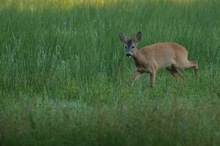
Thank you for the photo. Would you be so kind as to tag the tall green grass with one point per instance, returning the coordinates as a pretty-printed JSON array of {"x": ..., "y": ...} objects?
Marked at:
[{"x": 65, "y": 80}]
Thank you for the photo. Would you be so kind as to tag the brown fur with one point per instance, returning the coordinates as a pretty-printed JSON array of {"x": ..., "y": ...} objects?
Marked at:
[{"x": 149, "y": 59}]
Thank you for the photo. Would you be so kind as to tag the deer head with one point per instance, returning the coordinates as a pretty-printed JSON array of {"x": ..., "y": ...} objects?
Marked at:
[{"x": 130, "y": 44}]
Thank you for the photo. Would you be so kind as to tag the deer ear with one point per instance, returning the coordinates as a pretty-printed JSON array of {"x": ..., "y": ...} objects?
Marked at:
[
  {"x": 137, "y": 37},
  {"x": 122, "y": 37}
]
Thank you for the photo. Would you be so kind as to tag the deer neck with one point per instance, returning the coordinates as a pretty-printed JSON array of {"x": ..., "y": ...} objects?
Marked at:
[{"x": 140, "y": 60}]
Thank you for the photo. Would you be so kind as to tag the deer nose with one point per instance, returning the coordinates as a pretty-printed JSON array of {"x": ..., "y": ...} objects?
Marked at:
[{"x": 128, "y": 54}]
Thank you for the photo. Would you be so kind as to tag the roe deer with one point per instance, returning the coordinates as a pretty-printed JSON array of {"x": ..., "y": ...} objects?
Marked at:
[{"x": 149, "y": 59}]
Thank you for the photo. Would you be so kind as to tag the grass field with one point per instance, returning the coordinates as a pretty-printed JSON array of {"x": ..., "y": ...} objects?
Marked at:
[{"x": 65, "y": 79}]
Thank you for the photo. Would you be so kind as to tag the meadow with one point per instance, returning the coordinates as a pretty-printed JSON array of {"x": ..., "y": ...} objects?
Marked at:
[{"x": 65, "y": 79}]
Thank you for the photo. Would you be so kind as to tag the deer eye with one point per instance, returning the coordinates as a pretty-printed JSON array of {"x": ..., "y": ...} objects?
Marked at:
[{"x": 133, "y": 46}]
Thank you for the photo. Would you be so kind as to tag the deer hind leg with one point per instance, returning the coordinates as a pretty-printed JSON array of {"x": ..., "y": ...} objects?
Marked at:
[
  {"x": 195, "y": 66},
  {"x": 192, "y": 64},
  {"x": 173, "y": 70}
]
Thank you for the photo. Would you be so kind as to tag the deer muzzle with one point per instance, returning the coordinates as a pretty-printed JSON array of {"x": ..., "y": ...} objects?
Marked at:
[{"x": 128, "y": 54}]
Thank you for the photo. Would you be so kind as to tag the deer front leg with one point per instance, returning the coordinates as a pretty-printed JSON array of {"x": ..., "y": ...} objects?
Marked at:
[
  {"x": 152, "y": 78},
  {"x": 136, "y": 76}
]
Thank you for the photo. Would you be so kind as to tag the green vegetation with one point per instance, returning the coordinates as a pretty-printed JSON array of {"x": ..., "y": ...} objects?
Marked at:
[{"x": 65, "y": 80}]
